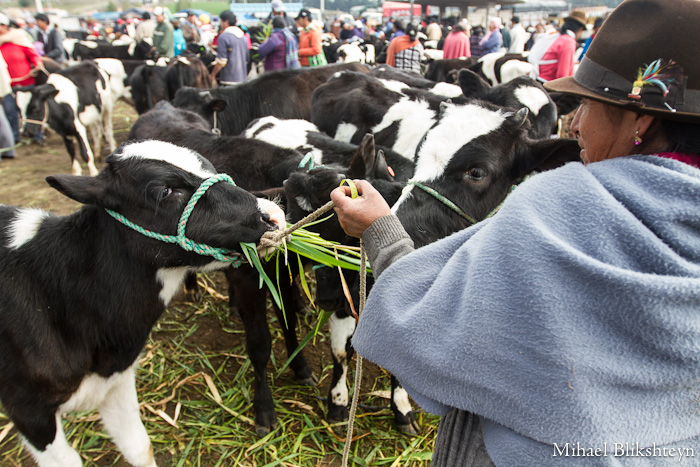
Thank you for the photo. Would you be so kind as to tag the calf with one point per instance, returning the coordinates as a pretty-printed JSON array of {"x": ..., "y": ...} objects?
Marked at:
[
  {"x": 439, "y": 70},
  {"x": 499, "y": 67},
  {"x": 284, "y": 94},
  {"x": 88, "y": 50},
  {"x": 71, "y": 101},
  {"x": 416, "y": 81},
  {"x": 305, "y": 137},
  {"x": 148, "y": 85},
  {"x": 472, "y": 156},
  {"x": 82, "y": 292},
  {"x": 186, "y": 71}
]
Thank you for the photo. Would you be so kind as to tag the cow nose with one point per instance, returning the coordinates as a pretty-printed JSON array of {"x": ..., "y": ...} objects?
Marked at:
[{"x": 272, "y": 214}]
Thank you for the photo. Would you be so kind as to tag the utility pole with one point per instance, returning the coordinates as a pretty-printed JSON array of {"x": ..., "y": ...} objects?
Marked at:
[{"x": 39, "y": 6}]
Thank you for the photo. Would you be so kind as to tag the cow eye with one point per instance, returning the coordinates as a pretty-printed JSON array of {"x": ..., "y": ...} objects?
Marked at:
[
  {"x": 475, "y": 174},
  {"x": 164, "y": 193}
]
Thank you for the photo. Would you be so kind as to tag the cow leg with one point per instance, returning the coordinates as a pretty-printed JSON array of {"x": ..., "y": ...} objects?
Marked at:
[
  {"x": 404, "y": 417},
  {"x": 85, "y": 150},
  {"x": 122, "y": 420},
  {"x": 75, "y": 163},
  {"x": 96, "y": 135},
  {"x": 108, "y": 127},
  {"x": 342, "y": 327},
  {"x": 288, "y": 321},
  {"x": 192, "y": 289},
  {"x": 250, "y": 300},
  {"x": 46, "y": 430}
]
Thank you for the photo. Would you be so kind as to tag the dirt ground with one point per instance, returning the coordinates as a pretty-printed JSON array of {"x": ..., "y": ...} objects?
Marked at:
[{"x": 23, "y": 184}]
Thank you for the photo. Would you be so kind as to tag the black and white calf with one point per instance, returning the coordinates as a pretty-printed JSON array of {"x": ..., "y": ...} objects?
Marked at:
[
  {"x": 71, "y": 101},
  {"x": 416, "y": 81},
  {"x": 81, "y": 293},
  {"x": 472, "y": 156},
  {"x": 500, "y": 67}
]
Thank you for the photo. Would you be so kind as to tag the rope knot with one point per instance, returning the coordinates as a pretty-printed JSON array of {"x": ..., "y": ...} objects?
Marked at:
[{"x": 272, "y": 239}]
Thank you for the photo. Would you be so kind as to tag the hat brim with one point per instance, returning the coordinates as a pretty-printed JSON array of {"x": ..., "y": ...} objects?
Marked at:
[
  {"x": 568, "y": 85},
  {"x": 578, "y": 20}
]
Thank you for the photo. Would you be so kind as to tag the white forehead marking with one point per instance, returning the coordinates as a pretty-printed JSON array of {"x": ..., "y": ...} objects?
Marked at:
[
  {"x": 180, "y": 157},
  {"x": 458, "y": 126},
  {"x": 393, "y": 85},
  {"x": 345, "y": 132},
  {"x": 24, "y": 226},
  {"x": 531, "y": 97},
  {"x": 447, "y": 90},
  {"x": 415, "y": 118}
]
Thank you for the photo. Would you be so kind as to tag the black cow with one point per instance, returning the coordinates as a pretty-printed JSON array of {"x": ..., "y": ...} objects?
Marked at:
[
  {"x": 72, "y": 100},
  {"x": 186, "y": 71},
  {"x": 439, "y": 70},
  {"x": 284, "y": 94},
  {"x": 81, "y": 293},
  {"x": 148, "y": 85}
]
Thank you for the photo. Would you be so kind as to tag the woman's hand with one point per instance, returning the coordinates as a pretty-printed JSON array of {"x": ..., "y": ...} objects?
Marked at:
[{"x": 355, "y": 215}]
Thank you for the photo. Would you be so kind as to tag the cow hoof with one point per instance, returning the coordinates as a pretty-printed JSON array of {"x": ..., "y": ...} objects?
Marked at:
[
  {"x": 311, "y": 380},
  {"x": 337, "y": 414},
  {"x": 264, "y": 430},
  {"x": 409, "y": 426}
]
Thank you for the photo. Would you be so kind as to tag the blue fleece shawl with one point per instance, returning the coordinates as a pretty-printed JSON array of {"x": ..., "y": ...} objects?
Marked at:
[{"x": 571, "y": 316}]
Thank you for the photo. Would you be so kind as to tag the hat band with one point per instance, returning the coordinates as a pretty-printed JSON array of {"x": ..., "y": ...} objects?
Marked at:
[{"x": 607, "y": 83}]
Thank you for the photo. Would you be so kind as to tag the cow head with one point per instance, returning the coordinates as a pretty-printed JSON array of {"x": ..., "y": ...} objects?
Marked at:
[
  {"x": 200, "y": 102},
  {"x": 38, "y": 107},
  {"x": 515, "y": 94},
  {"x": 471, "y": 157},
  {"x": 150, "y": 184}
]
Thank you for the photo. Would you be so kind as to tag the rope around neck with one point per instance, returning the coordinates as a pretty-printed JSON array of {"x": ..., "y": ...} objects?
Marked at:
[
  {"x": 181, "y": 239},
  {"x": 444, "y": 201}
]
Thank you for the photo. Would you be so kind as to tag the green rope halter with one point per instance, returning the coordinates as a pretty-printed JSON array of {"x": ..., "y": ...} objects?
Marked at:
[
  {"x": 456, "y": 208},
  {"x": 444, "y": 201},
  {"x": 220, "y": 254}
]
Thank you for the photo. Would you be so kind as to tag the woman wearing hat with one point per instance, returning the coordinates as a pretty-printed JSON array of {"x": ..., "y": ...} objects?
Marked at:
[
  {"x": 558, "y": 60},
  {"x": 564, "y": 329}
]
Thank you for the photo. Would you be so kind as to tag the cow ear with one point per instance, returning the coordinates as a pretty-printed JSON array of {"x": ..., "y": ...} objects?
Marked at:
[
  {"x": 548, "y": 154},
  {"x": 363, "y": 160},
  {"x": 520, "y": 117},
  {"x": 46, "y": 91},
  {"x": 217, "y": 105},
  {"x": 381, "y": 168},
  {"x": 472, "y": 85},
  {"x": 82, "y": 188}
]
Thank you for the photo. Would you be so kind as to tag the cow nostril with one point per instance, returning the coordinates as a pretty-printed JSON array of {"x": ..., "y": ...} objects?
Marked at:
[{"x": 271, "y": 225}]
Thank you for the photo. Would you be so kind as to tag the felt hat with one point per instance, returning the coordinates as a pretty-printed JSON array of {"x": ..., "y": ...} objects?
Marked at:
[
  {"x": 643, "y": 59},
  {"x": 577, "y": 15},
  {"x": 158, "y": 11}
]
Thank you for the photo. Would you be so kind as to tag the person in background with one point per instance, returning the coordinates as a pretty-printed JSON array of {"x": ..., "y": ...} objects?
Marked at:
[
  {"x": 206, "y": 28},
  {"x": 23, "y": 63},
  {"x": 492, "y": 40},
  {"x": 309, "y": 37},
  {"x": 558, "y": 60},
  {"x": 278, "y": 9},
  {"x": 536, "y": 34},
  {"x": 475, "y": 41},
  {"x": 457, "y": 42},
  {"x": 505, "y": 34},
  {"x": 121, "y": 34},
  {"x": 163, "y": 34},
  {"x": 194, "y": 33},
  {"x": 52, "y": 38},
  {"x": 231, "y": 52},
  {"x": 280, "y": 50},
  {"x": 433, "y": 31},
  {"x": 7, "y": 140},
  {"x": 405, "y": 52},
  {"x": 579, "y": 297},
  {"x": 518, "y": 37},
  {"x": 596, "y": 26},
  {"x": 144, "y": 30},
  {"x": 349, "y": 30},
  {"x": 179, "y": 42}
]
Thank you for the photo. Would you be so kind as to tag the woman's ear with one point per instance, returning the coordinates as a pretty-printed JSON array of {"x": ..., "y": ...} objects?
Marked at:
[{"x": 644, "y": 122}]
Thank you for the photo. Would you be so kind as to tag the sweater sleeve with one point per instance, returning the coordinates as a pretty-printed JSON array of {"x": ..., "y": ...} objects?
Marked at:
[
  {"x": 385, "y": 242},
  {"x": 269, "y": 45}
]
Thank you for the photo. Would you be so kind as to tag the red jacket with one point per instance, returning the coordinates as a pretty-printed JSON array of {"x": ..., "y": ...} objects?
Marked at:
[
  {"x": 309, "y": 44},
  {"x": 20, "y": 61}
]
